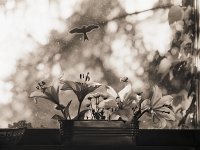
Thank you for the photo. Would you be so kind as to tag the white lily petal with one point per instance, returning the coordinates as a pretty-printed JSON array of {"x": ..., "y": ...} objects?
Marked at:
[
  {"x": 165, "y": 113},
  {"x": 114, "y": 116},
  {"x": 125, "y": 92},
  {"x": 165, "y": 100},
  {"x": 37, "y": 94},
  {"x": 145, "y": 104},
  {"x": 109, "y": 103},
  {"x": 111, "y": 91}
]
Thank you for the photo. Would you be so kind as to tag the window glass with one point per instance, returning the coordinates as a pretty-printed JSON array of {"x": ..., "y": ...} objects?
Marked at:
[{"x": 151, "y": 45}]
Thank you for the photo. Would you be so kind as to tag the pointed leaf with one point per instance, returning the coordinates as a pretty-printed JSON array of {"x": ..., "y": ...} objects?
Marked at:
[
  {"x": 125, "y": 92},
  {"x": 81, "y": 116},
  {"x": 60, "y": 107},
  {"x": 57, "y": 117},
  {"x": 66, "y": 110}
]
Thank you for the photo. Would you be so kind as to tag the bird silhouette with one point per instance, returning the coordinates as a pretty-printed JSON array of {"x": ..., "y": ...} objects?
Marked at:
[{"x": 83, "y": 30}]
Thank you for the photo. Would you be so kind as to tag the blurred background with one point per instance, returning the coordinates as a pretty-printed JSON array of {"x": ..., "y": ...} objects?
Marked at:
[{"x": 133, "y": 40}]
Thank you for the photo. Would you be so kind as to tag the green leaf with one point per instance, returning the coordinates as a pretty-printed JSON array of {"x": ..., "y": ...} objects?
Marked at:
[
  {"x": 81, "y": 115},
  {"x": 66, "y": 110},
  {"x": 60, "y": 107},
  {"x": 57, "y": 117}
]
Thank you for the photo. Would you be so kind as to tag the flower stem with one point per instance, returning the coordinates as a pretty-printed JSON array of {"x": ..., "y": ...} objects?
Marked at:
[
  {"x": 63, "y": 113},
  {"x": 140, "y": 115},
  {"x": 79, "y": 109}
]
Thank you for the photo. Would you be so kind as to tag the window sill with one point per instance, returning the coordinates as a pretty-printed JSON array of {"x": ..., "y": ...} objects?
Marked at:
[{"x": 147, "y": 139}]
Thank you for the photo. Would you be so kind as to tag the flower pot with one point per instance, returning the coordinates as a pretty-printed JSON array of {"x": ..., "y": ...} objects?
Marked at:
[{"x": 97, "y": 133}]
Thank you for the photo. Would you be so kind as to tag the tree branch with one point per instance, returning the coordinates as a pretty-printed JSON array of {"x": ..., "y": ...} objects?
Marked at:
[{"x": 134, "y": 13}]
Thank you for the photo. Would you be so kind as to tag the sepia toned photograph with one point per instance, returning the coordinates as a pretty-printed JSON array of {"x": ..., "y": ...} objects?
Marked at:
[{"x": 99, "y": 74}]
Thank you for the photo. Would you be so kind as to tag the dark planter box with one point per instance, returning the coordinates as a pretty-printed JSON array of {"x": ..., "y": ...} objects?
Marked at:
[
  {"x": 146, "y": 139},
  {"x": 97, "y": 133},
  {"x": 11, "y": 136}
]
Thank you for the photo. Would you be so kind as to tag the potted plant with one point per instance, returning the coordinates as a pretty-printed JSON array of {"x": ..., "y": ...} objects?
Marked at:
[{"x": 109, "y": 117}]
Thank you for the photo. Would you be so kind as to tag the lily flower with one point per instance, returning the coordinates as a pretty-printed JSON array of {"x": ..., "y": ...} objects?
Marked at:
[
  {"x": 121, "y": 102},
  {"x": 125, "y": 111},
  {"x": 48, "y": 89},
  {"x": 80, "y": 89},
  {"x": 158, "y": 107},
  {"x": 121, "y": 95},
  {"x": 50, "y": 93},
  {"x": 107, "y": 104}
]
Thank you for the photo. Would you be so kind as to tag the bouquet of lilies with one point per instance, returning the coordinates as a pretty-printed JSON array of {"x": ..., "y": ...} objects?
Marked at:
[{"x": 110, "y": 105}]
